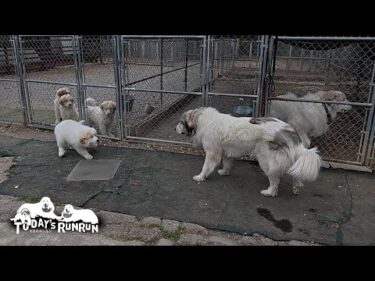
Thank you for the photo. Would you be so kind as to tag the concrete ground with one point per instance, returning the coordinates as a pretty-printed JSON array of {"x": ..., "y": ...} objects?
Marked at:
[{"x": 337, "y": 209}]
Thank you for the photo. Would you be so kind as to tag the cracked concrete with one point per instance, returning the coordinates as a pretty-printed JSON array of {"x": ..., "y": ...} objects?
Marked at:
[{"x": 337, "y": 209}]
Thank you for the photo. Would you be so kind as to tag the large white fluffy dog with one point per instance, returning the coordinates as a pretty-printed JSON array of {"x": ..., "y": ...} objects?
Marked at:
[
  {"x": 64, "y": 106},
  {"x": 70, "y": 133},
  {"x": 102, "y": 115},
  {"x": 73, "y": 215},
  {"x": 309, "y": 119},
  {"x": 45, "y": 209},
  {"x": 275, "y": 144}
]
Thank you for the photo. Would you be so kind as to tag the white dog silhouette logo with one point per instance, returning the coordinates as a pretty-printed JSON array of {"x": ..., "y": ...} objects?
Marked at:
[
  {"x": 73, "y": 215},
  {"x": 28, "y": 211},
  {"x": 42, "y": 215}
]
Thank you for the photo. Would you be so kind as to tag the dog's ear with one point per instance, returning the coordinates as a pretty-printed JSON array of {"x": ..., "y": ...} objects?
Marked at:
[
  {"x": 62, "y": 91},
  {"x": 102, "y": 106},
  {"x": 83, "y": 138},
  {"x": 61, "y": 101}
]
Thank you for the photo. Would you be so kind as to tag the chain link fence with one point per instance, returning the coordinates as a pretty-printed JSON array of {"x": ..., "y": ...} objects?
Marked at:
[
  {"x": 154, "y": 79},
  {"x": 11, "y": 109},
  {"x": 234, "y": 74},
  {"x": 307, "y": 66},
  {"x": 163, "y": 79}
]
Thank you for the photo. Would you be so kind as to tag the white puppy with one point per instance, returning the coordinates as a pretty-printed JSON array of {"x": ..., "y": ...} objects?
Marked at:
[
  {"x": 64, "y": 106},
  {"x": 102, "y": 116},
  {"x": 309, "y": 119},
  {"x": 28, "y": 211},
  {"x": 276, "y": 145},
  {"x": 73, "y": 134},
  {"x": 73, "y": 215}
]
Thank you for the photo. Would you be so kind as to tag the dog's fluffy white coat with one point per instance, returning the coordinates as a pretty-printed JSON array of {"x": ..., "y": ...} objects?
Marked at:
[
  {"x": 70, "y": 133},
  {"x": 309, "y": 119},
  {"x": 275, "y": 144}
]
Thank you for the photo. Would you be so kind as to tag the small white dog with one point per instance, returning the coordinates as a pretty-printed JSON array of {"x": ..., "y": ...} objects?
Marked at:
[
  {"x": 73, "y": 215},
  {"x": 45, "y": 209},
  {"x": 275, "y": 144},
  {"x": 102, "y": 116},
  {"x": 70, "y": 133},
  {"x": 64, "y": 106}
]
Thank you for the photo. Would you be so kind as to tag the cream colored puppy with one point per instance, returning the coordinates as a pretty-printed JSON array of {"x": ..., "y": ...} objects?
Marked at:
[
  {"x": 102, "y": 116},
  {"x": 64, "y": 106},
  {"x": 70, "y": 133}
]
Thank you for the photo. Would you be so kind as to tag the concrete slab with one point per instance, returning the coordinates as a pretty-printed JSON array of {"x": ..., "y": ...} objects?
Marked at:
[{"x": 94, "y": 170}]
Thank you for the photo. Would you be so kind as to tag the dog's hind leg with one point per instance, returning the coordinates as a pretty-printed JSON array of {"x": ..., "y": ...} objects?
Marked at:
[
  {"x": 274, "y": 186},
  {"x": 227, "y": 165},
  {"x": 211, "y": 161},
  {"x": 296, "y": 186}
]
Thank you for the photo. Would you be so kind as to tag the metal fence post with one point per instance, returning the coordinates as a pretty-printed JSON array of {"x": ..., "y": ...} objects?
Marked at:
[
  {"x": 370, "y": 128},
  {"x": 79, "y": 76},
  {"x": 204, "y": 82},
  {"x": 117, "y": 62},
  {"x": 161, "y": 71},
  {"x": 186, "y": 62},
  {"x": 21, "y": 80}
]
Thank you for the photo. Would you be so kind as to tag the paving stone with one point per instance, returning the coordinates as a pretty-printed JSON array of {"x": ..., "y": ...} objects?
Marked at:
[
  {"x": 170, "y": 225},
  {"x": 194, "y": 228},
  {"x": 165, "y": 242},
  {"x": 150, "y": 221},
  {"x": 218, "y": 240}
]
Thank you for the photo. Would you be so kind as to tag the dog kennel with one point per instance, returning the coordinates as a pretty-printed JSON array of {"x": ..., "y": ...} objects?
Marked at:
[{"x": 154, "y": 79}]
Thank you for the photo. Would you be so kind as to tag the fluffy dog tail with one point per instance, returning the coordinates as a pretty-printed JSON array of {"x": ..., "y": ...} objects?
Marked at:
[
  {"x": 307, "y": 164},
  {"x": 91, "y": 102}
]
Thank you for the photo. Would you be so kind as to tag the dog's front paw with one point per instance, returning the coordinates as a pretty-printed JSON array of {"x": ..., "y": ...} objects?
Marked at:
[
  {"x": 198, "y": 178},
  {"x": 89, "y": 157},
  {"x": 223, "y": 172},
  {"x": 269, "y": 192}
]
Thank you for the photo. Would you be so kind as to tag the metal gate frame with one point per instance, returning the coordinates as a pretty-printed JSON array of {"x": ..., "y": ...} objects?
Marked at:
[
  {"x": 366, "y": 147},
  {"x": 261, "y": 77},
  {"x": 125, "y": 89}
]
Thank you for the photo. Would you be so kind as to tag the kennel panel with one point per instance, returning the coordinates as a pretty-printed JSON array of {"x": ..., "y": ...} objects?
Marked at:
[
  {"x": 303, "y": 66},
  {"x": 48, "y": 58},
  {"x": 41, "y": 97},
  {"x": 11, "y": 109}
]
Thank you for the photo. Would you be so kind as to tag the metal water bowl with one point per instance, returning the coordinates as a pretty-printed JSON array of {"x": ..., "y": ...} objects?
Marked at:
[{"x": 243, "y": 111}]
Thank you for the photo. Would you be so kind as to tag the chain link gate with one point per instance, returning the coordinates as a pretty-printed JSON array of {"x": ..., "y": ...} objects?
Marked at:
[
  {"x": 87, "y": 65},
  {"x": 154, "y": 79},
  {"x": 162, "y": 77},
  {"x": 12, "y": 106},
  {"x": 234, "y": 74},
  {"x": 308, "y": 64}
]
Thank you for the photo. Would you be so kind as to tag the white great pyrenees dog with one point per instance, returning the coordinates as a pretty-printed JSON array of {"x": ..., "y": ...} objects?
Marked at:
[
  {"x": 309, "y": 119},
  {"x": 70, "y": 133},
  {"x": 275, "y": 144}
]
